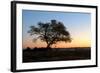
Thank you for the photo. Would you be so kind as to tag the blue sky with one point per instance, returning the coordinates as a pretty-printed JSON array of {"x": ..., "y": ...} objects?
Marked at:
[{"x": 76, "y": 23}]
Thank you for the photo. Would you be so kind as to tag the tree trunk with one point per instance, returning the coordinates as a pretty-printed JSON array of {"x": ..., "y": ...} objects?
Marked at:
[
  {"x": 48, "y": 46},
  {"x": 50, "y": 43}
]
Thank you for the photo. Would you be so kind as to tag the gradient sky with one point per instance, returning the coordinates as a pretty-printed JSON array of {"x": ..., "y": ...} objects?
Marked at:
[{"x": 78, "y": 24}]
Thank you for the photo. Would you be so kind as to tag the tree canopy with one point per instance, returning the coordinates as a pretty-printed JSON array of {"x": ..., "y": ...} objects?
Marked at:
[{"x": 51, "y": 32}]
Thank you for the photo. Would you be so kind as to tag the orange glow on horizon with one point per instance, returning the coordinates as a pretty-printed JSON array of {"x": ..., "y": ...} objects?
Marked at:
[{"x": 77, "y": 42}]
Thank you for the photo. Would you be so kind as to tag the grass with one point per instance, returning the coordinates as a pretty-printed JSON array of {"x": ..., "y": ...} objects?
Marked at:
[{"x": 55, "y": 54}]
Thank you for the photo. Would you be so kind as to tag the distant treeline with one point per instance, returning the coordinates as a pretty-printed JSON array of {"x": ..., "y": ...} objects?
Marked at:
[{"x": 43, "y": 48}]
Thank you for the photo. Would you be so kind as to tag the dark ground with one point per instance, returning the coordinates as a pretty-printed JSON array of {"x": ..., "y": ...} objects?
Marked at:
[{"x": 48, "y": 54}]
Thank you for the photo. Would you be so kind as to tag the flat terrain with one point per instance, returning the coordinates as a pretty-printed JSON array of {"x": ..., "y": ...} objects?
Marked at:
[{"x": 56, "y": 54}]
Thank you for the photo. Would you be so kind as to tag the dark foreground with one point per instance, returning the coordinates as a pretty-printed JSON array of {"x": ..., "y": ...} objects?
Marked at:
[{"x": 44, "y": 54}]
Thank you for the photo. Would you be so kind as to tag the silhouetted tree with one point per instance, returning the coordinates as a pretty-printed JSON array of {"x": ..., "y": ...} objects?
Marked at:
[{"x": 51, "y": 32}]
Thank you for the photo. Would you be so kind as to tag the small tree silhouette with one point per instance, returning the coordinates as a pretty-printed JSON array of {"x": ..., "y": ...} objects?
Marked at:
[
  {"x": 28, "y": 48},
  {"x": 51, "y": 32}
]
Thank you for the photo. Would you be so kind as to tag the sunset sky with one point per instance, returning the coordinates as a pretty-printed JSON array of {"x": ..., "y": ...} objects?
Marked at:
[{"x": 78, "y": 24}]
